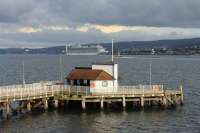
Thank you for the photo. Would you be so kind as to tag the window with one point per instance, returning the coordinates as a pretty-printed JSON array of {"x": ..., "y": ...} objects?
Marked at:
[
  {"x": 105, "y": 83},
  {"x": 85, "y": 82}
]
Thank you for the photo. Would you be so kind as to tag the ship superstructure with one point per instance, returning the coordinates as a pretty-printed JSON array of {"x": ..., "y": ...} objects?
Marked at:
[{"x": 85, "y": 49}]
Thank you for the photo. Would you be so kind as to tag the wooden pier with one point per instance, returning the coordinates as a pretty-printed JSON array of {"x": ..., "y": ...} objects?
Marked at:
[{"x": 30, "y": 96}]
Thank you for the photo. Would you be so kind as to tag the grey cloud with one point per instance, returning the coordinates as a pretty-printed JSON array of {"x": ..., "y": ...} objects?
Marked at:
[
  {"x": 158, "y": 13},
  {"x": 11, "y": 10}
]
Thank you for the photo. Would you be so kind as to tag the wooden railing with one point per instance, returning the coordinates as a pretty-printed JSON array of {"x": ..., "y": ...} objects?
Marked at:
[
  {"x": 141, "y": 89},
  {"x": 28, "y": 91},
  {"x": 39, "y": 90}
]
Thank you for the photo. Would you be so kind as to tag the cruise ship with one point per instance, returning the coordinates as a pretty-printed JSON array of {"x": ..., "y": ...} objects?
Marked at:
[{"x": 85, "y": 49}]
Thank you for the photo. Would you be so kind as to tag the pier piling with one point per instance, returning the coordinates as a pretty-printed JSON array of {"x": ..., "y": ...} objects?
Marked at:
[
  {"x": 45, "y": 104},
  {"x": 181, "y": 89},
  {"x": 164, "y": 101},
  {"x": 142, "y": 101},
  {"x": 56, "y": 103},
  {"x": 83, "y": 104},
  {"x": 7, "y": 110},
  {"x": 102, "y": 103},
  {"x": 124, "y": 102},
  {"x": 29, "y": 106}
]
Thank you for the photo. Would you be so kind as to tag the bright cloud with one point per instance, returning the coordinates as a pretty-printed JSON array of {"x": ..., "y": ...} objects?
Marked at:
[
  {"x": 111, "y": 29},
  {"x": 83, "y": 28},
  {"x": 29, "y": 30},
  {"x": 56, "y": 28}
]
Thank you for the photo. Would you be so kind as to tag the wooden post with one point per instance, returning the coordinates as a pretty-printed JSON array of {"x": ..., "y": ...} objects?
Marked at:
[
  {"x": 171, "y": 99},
  {"x": 56, "y": 103},
  {"x": 164, "y": 101},
  {"x": 108, "y": 104},
  {"x": 102, "y": 102},
  {"x": 150, "y": 103},
  {"x": 175, "y": 99},
  {"x": 83, "y": 104},
  {"x": 66, "y": 102},
  {"x": 45, "y": 104},
  {"x": 29, "y": 106},
  {"x": 1, "y": 112},
  {"x": 124, "y": 101},
  {"x": 181, "y": 89},
  {"x": 20, "y": 106},
  {"x": 7, "y": 110},
  {"x": 142, "y": 101}
]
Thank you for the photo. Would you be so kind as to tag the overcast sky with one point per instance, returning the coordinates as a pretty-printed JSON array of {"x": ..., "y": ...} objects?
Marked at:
[{"x": 38, "y": 23}]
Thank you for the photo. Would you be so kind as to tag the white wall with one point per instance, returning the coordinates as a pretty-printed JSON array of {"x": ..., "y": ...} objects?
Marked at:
[
  {"x": 116, "y": 75},
  {"x": 106, "y": 68},
  {"x": 99, "y": 88},
  {"x": 111, "y": 69},
  {"x": 116, "y": 71}
]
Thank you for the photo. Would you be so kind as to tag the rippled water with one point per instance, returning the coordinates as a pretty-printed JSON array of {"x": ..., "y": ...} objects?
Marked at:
[{"x": 168, "y": 70}]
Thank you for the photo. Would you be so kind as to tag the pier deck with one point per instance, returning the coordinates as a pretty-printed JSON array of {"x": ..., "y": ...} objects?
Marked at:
[{"x": 30, "y": 93}]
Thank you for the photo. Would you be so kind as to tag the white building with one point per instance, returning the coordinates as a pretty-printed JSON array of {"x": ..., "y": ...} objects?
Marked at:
[{"x": 101, "y": 77}]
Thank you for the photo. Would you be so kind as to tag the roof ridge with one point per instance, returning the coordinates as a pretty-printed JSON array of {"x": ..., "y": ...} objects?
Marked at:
[
  {"x": 89, "y": 74},
  {"x": 99, "y": 73}
]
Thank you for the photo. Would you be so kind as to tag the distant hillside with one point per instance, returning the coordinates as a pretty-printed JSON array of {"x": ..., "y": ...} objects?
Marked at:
[
  {"x": 159, "y": 44},
  {"x": 168, "y": 44}
]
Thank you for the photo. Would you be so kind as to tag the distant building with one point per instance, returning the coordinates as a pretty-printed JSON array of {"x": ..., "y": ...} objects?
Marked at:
[{"x": 101, "y": 77}]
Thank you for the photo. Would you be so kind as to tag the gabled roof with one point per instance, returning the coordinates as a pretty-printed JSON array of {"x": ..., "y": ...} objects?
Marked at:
[{"x": 89, "y": 74}]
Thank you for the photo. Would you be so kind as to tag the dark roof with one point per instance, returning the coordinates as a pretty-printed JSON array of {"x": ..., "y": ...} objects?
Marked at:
[
  {"x": 104, "y": 63},
  {"x": 83, "y": 67},
  {"x": 89, "y": 74}
]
